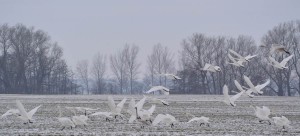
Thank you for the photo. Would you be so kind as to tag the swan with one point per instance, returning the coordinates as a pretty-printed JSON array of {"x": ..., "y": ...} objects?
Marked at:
[
  {"x": 26, "y": 117},
  {"x": 164, "y": 90},
  {"x": 202, "y": 120},
  {"x": 138, "y": 107},
  {"x": 256, "y": 89},
  {"x": 235, "y": 62},
  {"x": 230, "y": 100},
  {"x": 211, "y": 68},
  {"x": 240, "y": 88},
  {"x": 115, "y": 109},
  {"x": 171, "y": 76},
  {"x": 240, "y": 57},
  {"x": 282, "y": 64},
  {"x": 107, "y": 115},
  {"x": 65, "y": 121},
  {"x": 262, "y": 113},
  {"x": 80, "y": 120},
  {"x": 144, "y": 115},
  {"x": 282, "y": 121},
  {"x": 166, "y": 119},
  {"x": 277, "y": 47}
]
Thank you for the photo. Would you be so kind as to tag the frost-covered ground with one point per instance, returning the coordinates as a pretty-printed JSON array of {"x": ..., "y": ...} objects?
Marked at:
[{"x": 225, "y": 120}]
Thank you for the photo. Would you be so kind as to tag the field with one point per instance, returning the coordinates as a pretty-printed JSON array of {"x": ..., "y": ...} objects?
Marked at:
[{"x": 225, "y": 120}]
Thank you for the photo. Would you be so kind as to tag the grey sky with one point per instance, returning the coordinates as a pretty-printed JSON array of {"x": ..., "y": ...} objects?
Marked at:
[{"x": 86, "y": 27}]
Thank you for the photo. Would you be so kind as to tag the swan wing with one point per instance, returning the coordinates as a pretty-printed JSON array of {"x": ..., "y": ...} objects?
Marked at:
[
  {"x": 111, "y": 103},
  {"x": 21, "y": 109},
  {"x": 33, "y": 111},
  {"x": 285, "y": 60}
]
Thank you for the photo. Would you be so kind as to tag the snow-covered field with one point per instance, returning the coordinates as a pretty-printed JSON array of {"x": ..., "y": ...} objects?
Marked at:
[{"x": 225, "y": 120}]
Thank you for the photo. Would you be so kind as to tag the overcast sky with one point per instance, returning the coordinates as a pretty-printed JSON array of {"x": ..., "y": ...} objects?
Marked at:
[{"x": 86, "y": 27}]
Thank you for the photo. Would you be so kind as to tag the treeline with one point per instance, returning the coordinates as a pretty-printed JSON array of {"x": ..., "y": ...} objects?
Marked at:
[{"x": 31, "y": 63}]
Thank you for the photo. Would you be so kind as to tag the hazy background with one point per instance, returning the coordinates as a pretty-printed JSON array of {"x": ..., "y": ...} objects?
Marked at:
[{"x": 84, "y": 28}]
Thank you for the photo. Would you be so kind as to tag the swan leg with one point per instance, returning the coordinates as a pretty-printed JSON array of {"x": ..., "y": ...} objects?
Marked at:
[
  {"x": 63, "y": 128},
  {"x": 143, "y": 127},
  {"x": 150, "y": 121},
  {"x": 172, "y": 125},
  {"x": 208, "y": 125},
  {"x": 269, "y": 122}
]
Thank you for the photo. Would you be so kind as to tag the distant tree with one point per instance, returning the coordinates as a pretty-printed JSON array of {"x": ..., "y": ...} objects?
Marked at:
[
  {"x": 98, "y": 72},
  {"x": 132, "y": 64},
  {"x": 83, "y": 74},
  {"x": 118, "y": 67}
]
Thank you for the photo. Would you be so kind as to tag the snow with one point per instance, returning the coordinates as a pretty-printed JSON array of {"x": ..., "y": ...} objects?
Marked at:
[{"x": 225, "y": 120}]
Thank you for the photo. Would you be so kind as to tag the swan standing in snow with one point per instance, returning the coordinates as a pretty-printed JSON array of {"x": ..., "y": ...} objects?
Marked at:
[
  {"x": 202, "y": 120},
  {"x": 211, "y": 68},
  {"x": 166, "y": 119},
  {"x": 145, "y": 116},
  {"x": 230, "y": 100},
  {"x": 282, "y": 122},
  {"x": 65, "y": 121},
  {"x": 115, "y": 109},
  {"x": 255, "y": 89},
  {"x": 107, "y": 115},
  {"x": 26, "y": 117},
  {"x": 172, "y": 76},
  {"x": 80, "y": 120},
  {"x": 280, "y": 65},
  {"x": 262, "y": 113},
  {"x": 164, "y": 90},
  {"x": 235, "y": 62}
]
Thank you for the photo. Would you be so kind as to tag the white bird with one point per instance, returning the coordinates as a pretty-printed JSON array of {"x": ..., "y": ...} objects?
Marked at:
[
  {"x": 159, "y": 101},
  {"x": 11, "y": 112},
  {"x": 262, "y": 113},
  {"x": 202, "y": 120},
  {"x": 80, "y": 120},
  {"x": 164, "y": 90},
  {"x": 211, "y": 68},
  {"x": 282, "y": 121},
  {"x": 107, "y": 115},
  {"x": 280, "y": 65},
  {"x": 145, "y": 115},
  {"x": 65, "y": 121},
  {"x": 278, "y": 48},
  {"x": 26, "y": 117},
  {"x": 240, "y": 88},
  {"x": 115, "y": 109},
  {"x": 230, "y": 100},
  {"x": 255, "y": 89},
  {"x": 166, "y": 119},
  {"x": 240, "y": 57},
  {"x": 172, "y": 76},
  {"x": 138, "y": 107},
  {"x": 235, "y": 62}
]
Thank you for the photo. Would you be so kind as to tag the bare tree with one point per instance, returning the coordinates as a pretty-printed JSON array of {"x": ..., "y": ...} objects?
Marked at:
[
  {"x": 118, "y": 67},
  {"x": 132, "y": 64},
  {"x": 98, "y": 72},
  {"x": 82, "y": 71}
]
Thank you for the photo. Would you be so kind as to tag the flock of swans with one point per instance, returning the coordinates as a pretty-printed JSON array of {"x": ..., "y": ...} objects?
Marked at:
[{"x": 145, "y": 116}]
